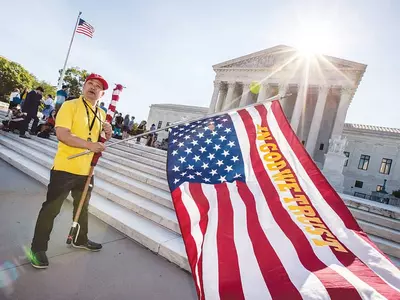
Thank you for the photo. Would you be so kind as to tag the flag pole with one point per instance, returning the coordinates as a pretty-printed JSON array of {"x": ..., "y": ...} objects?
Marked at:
[
  {"x": 69, "y": 50},
  {"x": 276, "y": 97}
]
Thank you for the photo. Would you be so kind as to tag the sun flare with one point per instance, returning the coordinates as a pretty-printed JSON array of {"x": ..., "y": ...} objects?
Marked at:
[{"x": 314, "y": 38}]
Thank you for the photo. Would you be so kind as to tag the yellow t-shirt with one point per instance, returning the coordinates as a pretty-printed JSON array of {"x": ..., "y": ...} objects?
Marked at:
[{"x": 73, "y": 115}]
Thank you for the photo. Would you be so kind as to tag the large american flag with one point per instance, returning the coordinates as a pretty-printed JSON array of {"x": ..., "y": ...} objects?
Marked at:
[
  {"x": 259, "y": 220},
  {"x": 85, "y": 28}
]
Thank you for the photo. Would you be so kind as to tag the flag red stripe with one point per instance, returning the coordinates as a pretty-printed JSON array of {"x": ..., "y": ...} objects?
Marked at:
[
  {"x": 230, "y": 284},
  {"x": 203, "y": 206},
  {"x": 276, "y": 277},
  {"x": 351, "y": 261},
  {"x": 185, "y": 227},
  {"x": 308, "y": 258}
]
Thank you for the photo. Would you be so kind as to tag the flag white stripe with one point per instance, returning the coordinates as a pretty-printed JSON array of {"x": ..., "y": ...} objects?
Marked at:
[
  {"x": 367, "y": 254},
  {"x": 324, "y": 253},
  {"x": 210, "y": 247},
  {"x": 244, "y": 146},
  {"x": 194, "y": 216},
  {"x": 305, "y": 281},
  {"x": 253, "y": 283},
  {"x": 114, "y": 102}
]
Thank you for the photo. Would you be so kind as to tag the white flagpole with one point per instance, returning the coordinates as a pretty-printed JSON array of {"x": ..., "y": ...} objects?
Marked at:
[{"x": 69, "y": 50}]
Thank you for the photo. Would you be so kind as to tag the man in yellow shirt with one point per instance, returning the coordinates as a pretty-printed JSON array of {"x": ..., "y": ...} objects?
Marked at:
[{"x": 78, "y": 126}]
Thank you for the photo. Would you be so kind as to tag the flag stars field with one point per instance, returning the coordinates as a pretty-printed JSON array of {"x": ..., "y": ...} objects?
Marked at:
[{"x": 205, "y": 144}]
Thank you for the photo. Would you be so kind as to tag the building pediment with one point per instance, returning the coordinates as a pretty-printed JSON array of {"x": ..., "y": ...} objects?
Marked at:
[{"x": 279, "y": 56}]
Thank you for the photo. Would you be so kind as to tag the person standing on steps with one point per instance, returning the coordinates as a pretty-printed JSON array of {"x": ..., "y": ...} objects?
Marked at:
[
  {"x": 103, "y": 107},
  {"x": 125, "y": 128},
  {"x": 31, "y": 107},
  {"x": 78, "y": 125},
  {"x": 61, "y": 96}
]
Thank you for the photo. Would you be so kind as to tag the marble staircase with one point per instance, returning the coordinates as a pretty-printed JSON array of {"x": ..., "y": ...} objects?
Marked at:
[{"x": 131, "y": 194}]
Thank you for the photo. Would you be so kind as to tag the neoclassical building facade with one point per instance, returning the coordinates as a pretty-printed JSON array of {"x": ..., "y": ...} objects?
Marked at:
[{"x": 320, "y": 87}]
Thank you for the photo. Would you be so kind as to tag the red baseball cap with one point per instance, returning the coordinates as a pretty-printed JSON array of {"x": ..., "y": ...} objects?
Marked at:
[{"x": 98, "y": 77}]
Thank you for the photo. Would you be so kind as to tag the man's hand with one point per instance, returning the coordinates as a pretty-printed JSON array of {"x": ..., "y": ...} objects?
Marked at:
[
  {"x": 107, "y": 130},
  {"x": 96, "y": 147}
]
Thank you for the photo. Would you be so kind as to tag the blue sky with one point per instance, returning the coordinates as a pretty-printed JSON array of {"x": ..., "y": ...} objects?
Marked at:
[{"x": 163, "y": 51}]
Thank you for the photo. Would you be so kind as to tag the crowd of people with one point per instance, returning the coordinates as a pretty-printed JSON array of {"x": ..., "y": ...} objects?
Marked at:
[{"x": 24, "y": 108}]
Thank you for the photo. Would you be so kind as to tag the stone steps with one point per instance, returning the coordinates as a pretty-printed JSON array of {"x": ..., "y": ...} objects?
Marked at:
[
  {"x": 388, "y": 247},
  {"x": 145, "y": 158},
  {"x": 372, "y": 207},
  {"x": 380, "y": 220},
  {"x": 377, "y": 230},
  {"x": 154, "y": 188},
  {"x": 147, "y": 231},
  {"x": 139, "y": 197},
  {"x": 114, "y": 156}
]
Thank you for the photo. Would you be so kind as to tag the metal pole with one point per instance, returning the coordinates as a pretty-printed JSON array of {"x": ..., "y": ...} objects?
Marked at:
[
  {"x": 69, "y": 50},
  {"x": 277, "y": 97}
]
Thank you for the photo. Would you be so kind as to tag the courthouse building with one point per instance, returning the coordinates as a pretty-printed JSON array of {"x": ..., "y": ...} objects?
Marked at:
[
  {"x": 321, "y": 89},
  {"x": 163, "y": 115}
]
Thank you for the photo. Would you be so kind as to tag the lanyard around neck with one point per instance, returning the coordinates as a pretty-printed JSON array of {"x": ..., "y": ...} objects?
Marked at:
[{"x": 91, "y": 123}]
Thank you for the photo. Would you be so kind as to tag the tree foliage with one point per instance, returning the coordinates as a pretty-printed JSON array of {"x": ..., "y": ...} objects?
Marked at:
[
  {"x": 396, "y": 193},
  {"x": 74, "y": 78},
  {"x": 13, "y": 75}
]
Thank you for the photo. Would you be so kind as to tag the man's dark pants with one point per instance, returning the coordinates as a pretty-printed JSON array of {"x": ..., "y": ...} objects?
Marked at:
[
  {"x": 61, "y": 183},
  {"x": 27, "y": 120}
]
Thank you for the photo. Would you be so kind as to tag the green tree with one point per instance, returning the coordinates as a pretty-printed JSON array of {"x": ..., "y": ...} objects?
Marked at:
[
  {"x": 396, "y": 193},
  {"x": 13, "y": 75},
  {"x": 74, "y": 78}
]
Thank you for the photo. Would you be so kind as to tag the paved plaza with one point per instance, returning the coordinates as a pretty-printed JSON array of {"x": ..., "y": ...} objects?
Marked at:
[{"x": 122, "y": 270}]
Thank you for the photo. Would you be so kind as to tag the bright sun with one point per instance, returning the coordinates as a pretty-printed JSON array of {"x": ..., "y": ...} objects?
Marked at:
[{"x": 314, "y": 38}]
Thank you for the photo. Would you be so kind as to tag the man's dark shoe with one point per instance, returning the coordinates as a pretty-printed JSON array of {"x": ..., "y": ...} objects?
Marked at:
[
  {"x": 25, "y": 136},
  {"x": 89, "y": 245},
  {"x": 39, "y": 260}
]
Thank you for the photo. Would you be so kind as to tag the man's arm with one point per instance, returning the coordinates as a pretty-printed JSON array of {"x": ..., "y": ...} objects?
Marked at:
[
  {"x": 107, "y": 130},
  {"x": 65, "y": 136}
]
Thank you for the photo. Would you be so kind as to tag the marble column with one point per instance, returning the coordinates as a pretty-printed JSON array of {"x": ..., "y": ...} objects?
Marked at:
[
  {"x": 245, "y": 94},
  {"x": 344, "y": 102},
  {"x": 229, "y": 97},
  {"x": 282, "y": 92},
  {"x": 317, "y": 119},
  {"x": 221, "y": 97},
  {"x": 262, "y": 94},
  {"x": 214, "y": 98},
  {"x": 298, "y": 107}
]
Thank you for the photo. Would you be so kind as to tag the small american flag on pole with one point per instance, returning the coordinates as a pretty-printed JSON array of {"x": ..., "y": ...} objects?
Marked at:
[
  {"x": 260, "y": 221},
  {"x": 85, "y": 28}
]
